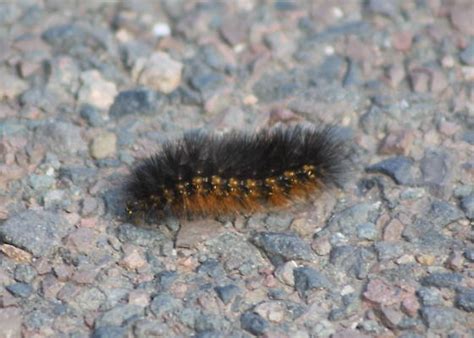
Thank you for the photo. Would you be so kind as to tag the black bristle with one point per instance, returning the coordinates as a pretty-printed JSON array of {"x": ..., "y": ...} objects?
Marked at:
[{"x": 240, "y": 156}]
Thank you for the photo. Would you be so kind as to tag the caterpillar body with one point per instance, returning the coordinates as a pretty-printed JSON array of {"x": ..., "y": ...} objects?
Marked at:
[{"x": 204, "y": 174}]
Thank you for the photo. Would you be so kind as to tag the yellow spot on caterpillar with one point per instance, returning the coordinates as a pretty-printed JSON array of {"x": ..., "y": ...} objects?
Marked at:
[{"x": 216, "y": 180}]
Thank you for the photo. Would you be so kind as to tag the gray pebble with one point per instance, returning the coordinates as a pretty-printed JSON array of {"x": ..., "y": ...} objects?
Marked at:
[
  {"x": 78, "y": 175},
  {"x": 442, "y": 213},
  {"x": 389, "y": 8},
  {"x": 207, "y": 82},
  {"x": 109, "y": 331},
  {"x": 227, "y": 293},
  {"x": 150, "y": 328},
  {"x": 467, "y": 55},
  {"x": 139, "y": 101},
  {"x": 448, "y": 280},
  {"x": 347, "y": 220},
  {"x": 276, "y": 87},
  {"x": 208, "y": 322},
  {"x": 128, "y": 233},
  {"x": 467, "y": 204},
  {"x": 435, "y": 168},
  {"x": 253, "y": 323},
  {"x": 465, "y": 300},
  {"x": 307, "y": 278},
  {"x": 367, "y": 231},
  {"x": 212, "y": 268},
  {"x": 469, "y": 254},
  {"x": 165, "y": 279},
  {"x": 38, "y": 232},
  {"x": 388, "y": 250},
  {"x": 468, "y": 137},
  {"x": 119, "y": 314},
  {"x": 282, "y": 247},
  {"x": 91, "y": 115},
  {"x": 24, "y": 273},
  {"x": 163, "y": 303},
  {"x": 438, "y": 317},
  {"x": 399, "y": 168},
  {"x": 22, "y": 290},
  {"x": 61, "y": 137},
  {"x": 429, "y": 296},
  {"x": 41, "y": 182}
]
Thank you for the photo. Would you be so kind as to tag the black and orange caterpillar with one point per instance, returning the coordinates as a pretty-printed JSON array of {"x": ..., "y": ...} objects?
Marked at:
[{"x": 206, "y": 174}]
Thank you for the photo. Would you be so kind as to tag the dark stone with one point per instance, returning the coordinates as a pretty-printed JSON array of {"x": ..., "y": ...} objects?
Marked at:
[
  {"x": 212, "y": 268},
  {"x": 467, "y": 204},
  {"x": 109, "y": 332},
  {"x": 429, "y": 296},
  {"x": 163, "y": 303},
  {"x": 307, "y": 278},
  {"x": 465, "y": 300},
  {"x": 373, "y": 120},
  {"x": 448, "y": 280},
  {"x": 140, "y": 101},
  {"x": 399, "y": 168},
  {"x": 469, "y": 254},
  {"x": 468, "y": 137},
  {"x": 438, "y": 317},
  {"x": 60, "y": 137},
  {"x": 353, "y": 75},
  {"x": 389, "y": 8},
  {"x": 388, "y": 250},
  {"x": 347, "y": 220},
  {"x": 73, "y": 38},
  {"x": 24, "y": 273},
  {"x": 120, "y": 314},
  {"x": 442, "y": 213},
  {"x": 131, "y": 51},
  {"x": 78, "y": 175},
  {"x": 467, "y": 55},
  {"x": 282, "y": 247},
  {"x": 277, "y": 87},
  {"x": 166, "y": 278},
  {"x": 355, "y": 261},
  {"x": 128, "y": 233},
  {"x": 22, "y": 290},
  {"x": 435, "y": 168},
  {"x": 283, "y": 5},
  {"x": 91, "y": 115},
  {"x": 330, "y": 70},
  {"x": 227, "y": 293},
  {"x": 38, "y": 232},
  {"x": 208, "y": 322},
  {"x": 209, "y": 334},
  {"x": 38, "y": 97},
  {"x": 207, "y": 82},
  {"x": 253, "y": 323},
  {"x": 277, "y": 294}
]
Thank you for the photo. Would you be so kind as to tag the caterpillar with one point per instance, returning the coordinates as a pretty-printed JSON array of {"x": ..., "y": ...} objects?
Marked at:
[{"x": 204, "y": 174}]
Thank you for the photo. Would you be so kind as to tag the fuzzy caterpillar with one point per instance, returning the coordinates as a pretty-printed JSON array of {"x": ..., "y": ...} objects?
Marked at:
[{"x": 203, "y": 174}]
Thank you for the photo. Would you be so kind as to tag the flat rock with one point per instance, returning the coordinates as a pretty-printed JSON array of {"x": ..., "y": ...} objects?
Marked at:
[
  {"x": 282, "y": 247},
  {"x": 192, "y": 233},
  {"x": 139, "y": 101},
  {"x": 399, "y": 168},
  {"x": 61, "y": 137},
  {"x": 37, "y": 232}
]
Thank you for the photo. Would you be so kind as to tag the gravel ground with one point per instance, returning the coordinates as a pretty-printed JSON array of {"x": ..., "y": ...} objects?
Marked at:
[{"x": 87, "y": 87}]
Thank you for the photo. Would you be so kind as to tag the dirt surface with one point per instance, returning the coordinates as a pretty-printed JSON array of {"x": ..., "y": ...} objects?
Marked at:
[{"x": 88, "y": 87}]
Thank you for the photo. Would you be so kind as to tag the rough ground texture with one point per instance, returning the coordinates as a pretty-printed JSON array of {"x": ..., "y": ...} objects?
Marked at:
[{"x": 87, "y": 87}]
